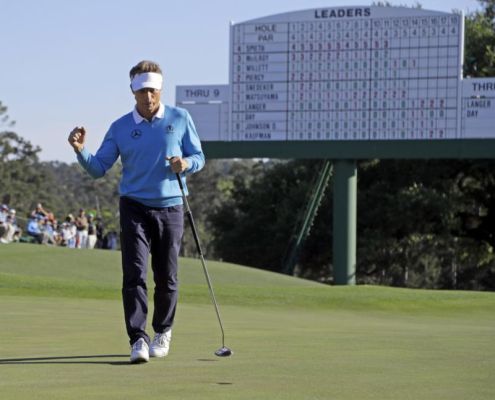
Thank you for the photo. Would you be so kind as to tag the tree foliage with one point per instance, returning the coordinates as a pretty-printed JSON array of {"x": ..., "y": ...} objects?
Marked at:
[
  {"x": 425, "y": 231},
  {"x": 21, "y": 177},
  {"x": 420, "y": 223},
  {"x": 479, "y": 55}
]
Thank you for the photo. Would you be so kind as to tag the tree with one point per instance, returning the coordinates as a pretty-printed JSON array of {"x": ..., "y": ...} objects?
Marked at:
[
  {"x": 209, "y": 190},
  {"x": 253, "y": 226},
  {"x": 419, "y": 230},
  {"x": 489, "y": 9},
  {"x": 479, "y": 58},
  {"x": 23, "y": 180}
]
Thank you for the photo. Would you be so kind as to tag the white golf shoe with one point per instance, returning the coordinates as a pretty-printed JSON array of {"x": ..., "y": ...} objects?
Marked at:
[
  {"x": 140, "y": 352},
  {"x": 161, "y": 344}
]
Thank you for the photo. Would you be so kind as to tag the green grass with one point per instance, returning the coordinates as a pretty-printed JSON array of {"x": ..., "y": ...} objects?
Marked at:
[{"x": 62, "y": 336}]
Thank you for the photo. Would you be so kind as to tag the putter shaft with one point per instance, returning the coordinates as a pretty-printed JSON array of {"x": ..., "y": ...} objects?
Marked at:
[{"x": 200, "y": 251}]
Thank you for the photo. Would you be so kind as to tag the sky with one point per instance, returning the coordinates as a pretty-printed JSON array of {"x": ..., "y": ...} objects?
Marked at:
[{"x": 65, "y": 63}]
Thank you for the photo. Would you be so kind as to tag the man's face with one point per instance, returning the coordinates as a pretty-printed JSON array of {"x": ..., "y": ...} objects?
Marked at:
[{"x": 147, "y": 101}]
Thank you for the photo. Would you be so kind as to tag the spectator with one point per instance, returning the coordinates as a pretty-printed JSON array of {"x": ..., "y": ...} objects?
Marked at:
[
  {"x": 33, "y": 229},
  {"x": 8, "y": 235},
  {"x": 111, "y": 240},
  {"x": 47, "y": 229},
  {"x": 82, "y": 230},
  {"x": 4, "y": 210},
  {"x": 51, "y": 217},
  {"x": 69, "y": 232},
  {"x": 91, "y": 242},
  {"x": 12, "y": 214},
  {"x": 39, "y": 211},
  {"x": 100, "y": 239},
  {"x": 17, "y": 229},
  {"x": 57, "y": 234},
  {"x": 9, "y": 231},
  {"x": 3, "y": 219}
]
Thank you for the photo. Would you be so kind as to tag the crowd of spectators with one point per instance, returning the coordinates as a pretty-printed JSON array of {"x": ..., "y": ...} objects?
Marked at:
[{"x": 82, "y": 232}]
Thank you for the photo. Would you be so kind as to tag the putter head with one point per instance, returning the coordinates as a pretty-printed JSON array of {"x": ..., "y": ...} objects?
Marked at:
[{"x": 224, "y": 352}]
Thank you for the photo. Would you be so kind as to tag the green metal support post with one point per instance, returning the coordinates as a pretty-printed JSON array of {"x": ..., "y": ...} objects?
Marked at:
[{"x": 344, "y": 223}]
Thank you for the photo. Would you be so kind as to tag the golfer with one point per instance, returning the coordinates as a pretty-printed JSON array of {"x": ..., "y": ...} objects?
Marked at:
[{"x": 154, "y": 143}]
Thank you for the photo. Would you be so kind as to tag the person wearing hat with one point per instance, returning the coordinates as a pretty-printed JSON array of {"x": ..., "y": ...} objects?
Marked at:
[
  {"x": 39, "y": 211},
  {"x": 154, "y": 142},
  {"x": 17, "y": 229},
  {"x": 8, "y": 234},
  {"x": 13, "y": 213}
]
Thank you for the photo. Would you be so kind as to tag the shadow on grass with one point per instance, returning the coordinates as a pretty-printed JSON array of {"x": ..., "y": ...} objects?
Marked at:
[{"x": 68, "y": 360}]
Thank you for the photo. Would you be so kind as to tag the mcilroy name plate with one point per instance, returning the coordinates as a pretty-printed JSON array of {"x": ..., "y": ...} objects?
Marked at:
[{"x": 347, "y": 73}]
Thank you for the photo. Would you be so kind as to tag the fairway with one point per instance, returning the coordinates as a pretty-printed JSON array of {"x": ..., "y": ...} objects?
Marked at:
[{"x": 63, "y": 336}]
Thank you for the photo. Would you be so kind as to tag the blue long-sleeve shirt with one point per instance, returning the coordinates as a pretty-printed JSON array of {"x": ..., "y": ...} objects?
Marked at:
[{"x": 143, "y": 148}]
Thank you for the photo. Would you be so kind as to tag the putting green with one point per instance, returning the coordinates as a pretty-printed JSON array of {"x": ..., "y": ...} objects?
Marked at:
[{"x": 63, "y": 336}]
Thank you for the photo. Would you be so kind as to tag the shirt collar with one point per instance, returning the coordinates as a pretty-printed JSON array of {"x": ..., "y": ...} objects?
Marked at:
[{"x": 138, "y": 118}]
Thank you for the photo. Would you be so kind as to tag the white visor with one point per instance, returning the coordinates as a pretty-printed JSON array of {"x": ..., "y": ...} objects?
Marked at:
[{"x": 150, "y": 80}]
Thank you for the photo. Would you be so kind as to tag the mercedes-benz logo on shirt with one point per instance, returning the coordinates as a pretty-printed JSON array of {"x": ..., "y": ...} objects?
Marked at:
[{"x": 136, "y": 134}]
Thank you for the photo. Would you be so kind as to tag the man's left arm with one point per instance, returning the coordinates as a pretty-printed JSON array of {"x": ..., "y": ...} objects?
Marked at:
[{"x": 192, "y": 152}]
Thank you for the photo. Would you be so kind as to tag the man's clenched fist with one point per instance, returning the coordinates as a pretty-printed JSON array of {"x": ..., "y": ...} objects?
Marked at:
[{"x": 77, "y": 138}]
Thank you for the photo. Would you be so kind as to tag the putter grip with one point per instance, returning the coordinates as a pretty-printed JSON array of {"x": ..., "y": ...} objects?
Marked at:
[{"x": 189, "y": 216}]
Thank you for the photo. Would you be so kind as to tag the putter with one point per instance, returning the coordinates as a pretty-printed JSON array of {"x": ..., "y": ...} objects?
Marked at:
[{"x": 223, "y": 351}]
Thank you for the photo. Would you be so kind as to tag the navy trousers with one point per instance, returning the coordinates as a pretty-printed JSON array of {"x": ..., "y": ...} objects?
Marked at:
[{"x": 158, "y": 231}]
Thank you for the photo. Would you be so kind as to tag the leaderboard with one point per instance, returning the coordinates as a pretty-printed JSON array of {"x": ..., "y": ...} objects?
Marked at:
[{"x": 350, "y": 73}]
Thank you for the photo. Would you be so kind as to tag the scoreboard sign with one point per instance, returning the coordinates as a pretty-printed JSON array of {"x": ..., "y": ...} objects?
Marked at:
[
  {"x": 209, "y": 108},
  {"x": 346, "y": 82},
  {"x": 478, "y": 108},
  {"x": 347, "y": 73}
]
